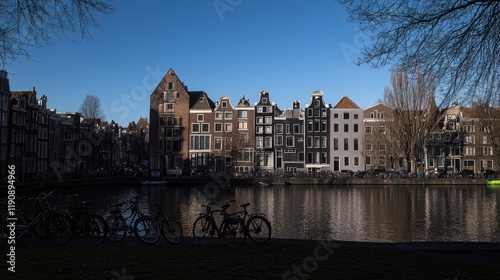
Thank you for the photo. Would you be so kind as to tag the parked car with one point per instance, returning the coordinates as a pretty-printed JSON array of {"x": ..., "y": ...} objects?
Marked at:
[{"x": 174, "y": 172}]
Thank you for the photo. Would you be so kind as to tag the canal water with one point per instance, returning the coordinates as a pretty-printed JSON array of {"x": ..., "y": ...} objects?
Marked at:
[{"x": 374, "y": 213}]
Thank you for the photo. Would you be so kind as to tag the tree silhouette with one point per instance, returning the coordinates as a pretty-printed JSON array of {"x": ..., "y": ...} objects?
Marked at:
[
  {"x": 458, "y": 41},
  {"x": 26, "y": 23}
]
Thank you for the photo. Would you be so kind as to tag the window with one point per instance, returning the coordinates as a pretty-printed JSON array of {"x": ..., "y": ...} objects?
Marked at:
[
  {"x": 199, "y": 117},
  {"x": 324, "y": 157},
  {"x": 335, "y": 143},
  {"x": 346, "y": 144},
  {"x": 487, "y": 151},
  {"x": 469, "y": 139},
  {"x": 264, "y": 99},
  {"x": 382, "y": 147},
  {"x": 324, "y": 142},
  {"x": 170, "y": 85},
  {"x": 296, "y": 129},
  {"x": 224, "y": 104},
  {"x": 368, "y": 130},
  {"x": 317, "y": 103},
  {"x": 269, "y": 129},
  {"x": 259, "y": 144},
  {"x": 243, "y": 114},
  {"x": 346, "y": 115},
  {"x": 218, "y": 143},
  {"x": 242, "y": 125},
  {"x": 278, "y": 139},
  {"x": 356, "y": 144},
  {"x": 356, "y": 161},
  {"x": 195, "y": 127},
  {"x": 487, "y": 163},
  {"x": 289, "y": 141},
  {"x": 323, "y": 113},
  {"x": 170, "y": 107},
  {"x": 486, "y": 139},
  {"x": 368, "y": 160},
  {"x": 218, "y": 115},
  {"x": 336, "y": 116},
  {"x": 381, "y": 129},
  {"x": 469, "y": 151},
  {"x": 346, "y": 161},
  {"x": 316, "y": 142},
  {"x": 346, "y": 128},
  {"x": 200, "y": 142},
  {"x": 335, "y": 127},
  {"x": 309, "y": 112},
  {"x": 205, "y": 127},
  {"x": 268, "y": 142},
  {"x": 310, "y": 126},
  {"x": 356, "y": 127},
  {"x": 469, "y": 163},
  {"x": 260, "y": 120},
  {"x": 229, "y": 127},
  {"x": 268, "y": 120},
  {"x": 469, "y": 128},
  {"x": 279, "y": 129},
  {"x": 323, "y": 126},
  {"x": 218, "y": 127},
  {"x": 355, "y": 116},
  {"x": 381, "y": 160},
  {"x": 316, "y": 125},
  {"x": 228, "y": 115}
]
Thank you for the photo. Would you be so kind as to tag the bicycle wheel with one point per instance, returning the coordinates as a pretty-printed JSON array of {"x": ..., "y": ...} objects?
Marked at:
[
  {"x": 234, "y": 232},
  {"x": 147, "y": 230},
  {"x": 96, "y": 229},
  {"x": 117, "y": 228},
  {"x": 11, "y": 227},
  {"x": 259, "y": 229},
  {"x": 203, "y": 231},
  {"x": 171, "y": 230},
  {"x": 59, "y": 229}
]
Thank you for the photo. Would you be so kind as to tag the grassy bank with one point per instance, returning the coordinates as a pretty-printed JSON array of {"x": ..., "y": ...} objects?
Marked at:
[{"x": 252, "y": 261}]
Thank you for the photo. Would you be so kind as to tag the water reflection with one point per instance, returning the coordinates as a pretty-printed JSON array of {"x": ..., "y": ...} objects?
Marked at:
[{"x": 357, "y": 213}]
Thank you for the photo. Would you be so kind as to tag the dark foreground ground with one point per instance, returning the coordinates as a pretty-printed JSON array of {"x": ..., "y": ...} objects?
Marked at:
[{"x": 279, "y": 259}]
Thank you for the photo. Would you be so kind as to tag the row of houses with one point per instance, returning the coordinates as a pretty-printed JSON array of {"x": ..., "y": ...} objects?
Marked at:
[
  {"x": 188, "y": 130},
  {"x": 40, "y": 141}
]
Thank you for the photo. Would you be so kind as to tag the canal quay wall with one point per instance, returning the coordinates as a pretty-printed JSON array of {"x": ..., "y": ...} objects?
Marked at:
[{"x": 228, "y": 181}]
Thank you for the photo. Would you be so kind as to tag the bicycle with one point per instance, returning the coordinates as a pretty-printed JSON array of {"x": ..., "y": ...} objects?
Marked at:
[
  {"x": 232, "y": 229},
  {"x": 170, "y": 227},
  {"x": 143, "y": 226},
  {"x": 85, "y": 222},
  {"x": 258, "y": 228},
  {"x": 43, "y": 221}
]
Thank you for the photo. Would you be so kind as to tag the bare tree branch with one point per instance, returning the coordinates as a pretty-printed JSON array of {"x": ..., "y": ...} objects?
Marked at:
[
  {"x": 456, "y": 40},
  {"x": 30, "y": 23}
]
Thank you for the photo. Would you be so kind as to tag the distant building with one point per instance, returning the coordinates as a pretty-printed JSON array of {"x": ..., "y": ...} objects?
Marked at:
[
  {"x": 289, "y": 138},
  {"x": 265, "y": 112},
  {"x": 4, "y": 122},
  {"x": 347, "y": 135},
  {"x": 317, "y": 134}
]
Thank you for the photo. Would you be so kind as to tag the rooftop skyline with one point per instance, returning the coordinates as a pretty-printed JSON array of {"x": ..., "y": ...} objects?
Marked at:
[{"x": 225, "y": 48}]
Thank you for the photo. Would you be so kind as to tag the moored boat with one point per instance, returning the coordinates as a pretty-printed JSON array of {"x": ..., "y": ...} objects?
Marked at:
[
  {"x": 162, "y": 182},
  {"x": 493, "y": 183}
]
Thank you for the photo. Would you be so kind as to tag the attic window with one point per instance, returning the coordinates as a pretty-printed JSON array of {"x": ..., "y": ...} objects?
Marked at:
[
  {"x": 170, "y": 85},
  {"x": 264, "y": 99},
  {"x": 202, "y": 99},
  {"x": 224, "y": 104}
]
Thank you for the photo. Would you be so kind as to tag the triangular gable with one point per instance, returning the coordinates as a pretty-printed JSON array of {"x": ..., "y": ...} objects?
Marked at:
[{"x": 346, "y": 103}]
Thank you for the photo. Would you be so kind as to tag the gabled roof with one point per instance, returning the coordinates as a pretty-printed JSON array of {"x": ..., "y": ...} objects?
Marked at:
[
  {"x": 194, "y": 97},
  {"x": 346, "y": 103},
  {"x": 30, "y": 95}
]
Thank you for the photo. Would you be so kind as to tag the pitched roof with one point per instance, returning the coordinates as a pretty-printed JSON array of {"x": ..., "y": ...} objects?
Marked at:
[
  {"x": 194, "y": 96},
  {"x": 346, "y": 103}
]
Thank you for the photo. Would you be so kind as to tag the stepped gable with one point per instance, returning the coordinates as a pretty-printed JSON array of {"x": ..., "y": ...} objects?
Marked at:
[{"x": 346, "y": 103}]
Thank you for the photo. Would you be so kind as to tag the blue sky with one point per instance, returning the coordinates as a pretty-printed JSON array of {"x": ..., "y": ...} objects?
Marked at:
[{"x": 223, "y": 47}]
